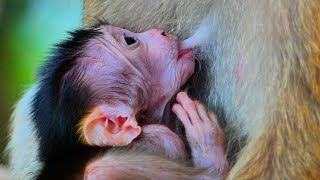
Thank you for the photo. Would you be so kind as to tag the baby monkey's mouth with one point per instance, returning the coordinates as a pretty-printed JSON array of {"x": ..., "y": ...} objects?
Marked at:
[{"x": 183, "y": 54}]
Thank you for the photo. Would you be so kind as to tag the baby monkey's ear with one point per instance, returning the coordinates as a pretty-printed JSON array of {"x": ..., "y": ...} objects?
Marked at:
[{"x": 108, "y": 126}]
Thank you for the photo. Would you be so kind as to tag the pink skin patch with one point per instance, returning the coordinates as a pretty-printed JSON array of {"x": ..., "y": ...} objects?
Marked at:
[
  {"x": 185, "y": 52},
  {"x": 112, "y": 65},
  {"x": 239, "y": 69}
]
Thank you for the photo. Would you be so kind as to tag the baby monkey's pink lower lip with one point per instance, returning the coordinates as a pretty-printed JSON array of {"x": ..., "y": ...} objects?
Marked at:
[{"x": 183, "y": 53}]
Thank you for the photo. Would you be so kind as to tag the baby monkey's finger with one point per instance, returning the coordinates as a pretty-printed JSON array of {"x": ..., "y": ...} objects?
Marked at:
[
  {"x": 213, "y": 117},
  {"x": 202, "y": 111},
  {"x": 189, "y": 106},
  {"x": 182, "y": 115},
  {"x": 214, "y": 121}
]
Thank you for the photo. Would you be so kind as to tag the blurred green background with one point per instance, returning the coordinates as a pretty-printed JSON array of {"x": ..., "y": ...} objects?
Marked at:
[{"x": 28, "y": 29}]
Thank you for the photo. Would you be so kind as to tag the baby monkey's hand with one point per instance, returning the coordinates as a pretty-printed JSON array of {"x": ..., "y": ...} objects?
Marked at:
[{"x": 205, "y": 137}]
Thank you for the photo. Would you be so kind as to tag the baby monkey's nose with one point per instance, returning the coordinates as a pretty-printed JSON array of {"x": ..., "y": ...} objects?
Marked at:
[
  {"x": 164, "y": 34},
  {"x": 159, "y": 36},
  {"x": 157, "y": 32}
]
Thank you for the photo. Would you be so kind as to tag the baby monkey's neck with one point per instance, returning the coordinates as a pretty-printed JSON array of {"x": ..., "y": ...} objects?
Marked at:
[{"x": 160, "y": 113}]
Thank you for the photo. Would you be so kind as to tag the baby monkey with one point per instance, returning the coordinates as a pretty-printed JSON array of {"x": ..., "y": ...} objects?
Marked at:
[
  {"x": 107, "y": 87},
  {"x": 159, "y": 67}
]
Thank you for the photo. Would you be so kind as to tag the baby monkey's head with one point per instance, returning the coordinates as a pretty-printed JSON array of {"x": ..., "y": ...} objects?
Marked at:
[{"x": 106, "y": 76}]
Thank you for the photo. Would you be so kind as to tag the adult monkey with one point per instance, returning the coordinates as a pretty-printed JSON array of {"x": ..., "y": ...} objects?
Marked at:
[{"x": 264, "y": 73}]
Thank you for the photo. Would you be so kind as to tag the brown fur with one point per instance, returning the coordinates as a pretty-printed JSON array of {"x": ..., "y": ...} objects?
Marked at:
[{"x": 276, "y": 104}]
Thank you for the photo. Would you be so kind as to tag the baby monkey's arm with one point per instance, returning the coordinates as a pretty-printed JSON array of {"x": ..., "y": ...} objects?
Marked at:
[{"x": 205, "y": 137}]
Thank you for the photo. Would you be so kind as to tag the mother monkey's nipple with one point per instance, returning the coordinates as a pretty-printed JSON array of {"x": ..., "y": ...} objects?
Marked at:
[{"x": 200, "y": 36}]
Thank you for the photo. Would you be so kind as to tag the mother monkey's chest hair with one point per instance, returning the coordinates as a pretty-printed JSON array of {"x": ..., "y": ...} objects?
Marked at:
[{"x": 262, "y": 73}]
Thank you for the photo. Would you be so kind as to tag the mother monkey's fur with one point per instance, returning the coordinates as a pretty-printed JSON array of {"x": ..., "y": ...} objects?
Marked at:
[{"x": 264, "y": 73}]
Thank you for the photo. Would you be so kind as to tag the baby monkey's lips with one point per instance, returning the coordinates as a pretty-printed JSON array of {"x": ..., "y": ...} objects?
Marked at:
[{"x": 185, "y": 54}]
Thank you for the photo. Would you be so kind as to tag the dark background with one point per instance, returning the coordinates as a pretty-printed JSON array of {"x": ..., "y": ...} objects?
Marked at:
[{"x": 28, "y": 28}]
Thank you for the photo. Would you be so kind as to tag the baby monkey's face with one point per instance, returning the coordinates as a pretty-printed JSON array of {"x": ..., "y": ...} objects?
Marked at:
[
  {"x": 153, "y": 56},
  {"x": 149, "y": 62},
  {"x": 128, "y": 73}
]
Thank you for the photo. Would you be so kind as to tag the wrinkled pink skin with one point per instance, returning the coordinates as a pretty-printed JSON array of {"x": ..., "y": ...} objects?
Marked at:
[
  {"x": 153, "y": 63},
  {"x": 204, "y": 135},
  {"x": 164, "y": 68},
  {"x": 154, "y": 59}
]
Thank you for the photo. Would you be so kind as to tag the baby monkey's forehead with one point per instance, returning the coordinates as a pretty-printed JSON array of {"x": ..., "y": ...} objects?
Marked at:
[
  {"x": 104, "y": 48},
  {"x": 108, "y": 30},
  {"x": 109, "y": 49}
]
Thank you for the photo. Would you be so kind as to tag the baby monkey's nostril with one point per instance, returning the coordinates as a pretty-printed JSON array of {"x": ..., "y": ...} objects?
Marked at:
[{"x": 164, "y": 33}]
